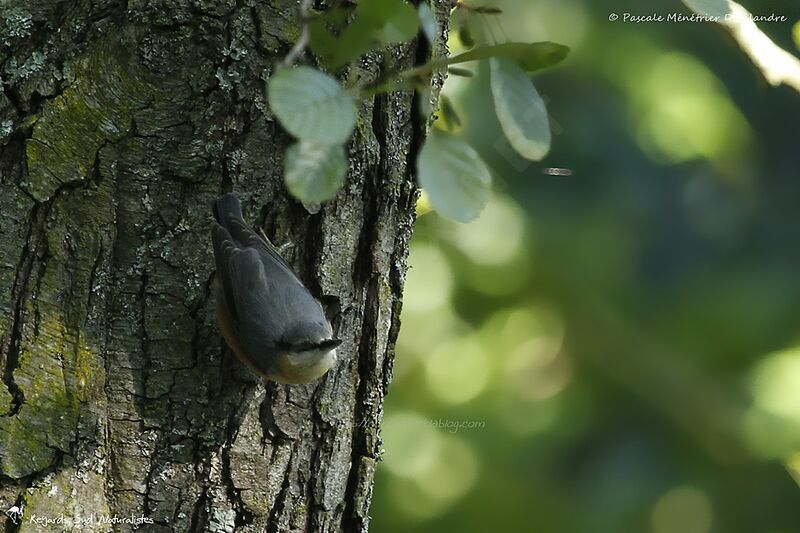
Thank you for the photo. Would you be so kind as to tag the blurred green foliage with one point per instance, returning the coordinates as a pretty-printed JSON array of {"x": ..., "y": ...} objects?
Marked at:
[
  {"x": 616, "y": 349},
  {"x": 315, "y": 108}
]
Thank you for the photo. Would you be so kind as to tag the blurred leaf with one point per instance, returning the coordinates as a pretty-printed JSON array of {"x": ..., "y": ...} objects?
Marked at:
[
  {"x": 464, "y": 73},
  {"x": 428, "y": 21},
  {"x": 461, "y": 21},
  {"x": 377, "y": 23},
  {"x": 454, "y": 176},
  {"x": 336, "y": 42},
  {"x": 448, "y": 114},
  {"x": 315, "y": 172},
  {"x": 324, "y": 32},
  {"x": 356, "y": 40},
  {"x": 529, "y": 56},
  {"x": 520, "y": 109},
  {"x": 465, "y": 36},
  {"x": 793, "y": 466},
  {"x": 796, "y": 34},
  {"x": 312, "y": 105},
  {"x": 486, "y": 10},
  {"x": 395, "y": 21}
]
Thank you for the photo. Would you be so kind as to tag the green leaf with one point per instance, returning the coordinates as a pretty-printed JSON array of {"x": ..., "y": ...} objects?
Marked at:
[
  {"x": 462, "y": 22},
  {"x": 465, "y": 36},
  {"x": 395, "y": 20},
  {"x": 324, "y": 31},
  {"x": 356, "y": 40},
  {"x": 449, "y": 116},
  {"x": 427, "y": 21},
  {"x": 454, "y": 176},
  {"x": 486, "y": 10},
  {"x": 377, "y": 23},
  {"x": 312, "y": 105},
  {"x": 315, "y": 172},
  {"x": 520, "y": 109}
]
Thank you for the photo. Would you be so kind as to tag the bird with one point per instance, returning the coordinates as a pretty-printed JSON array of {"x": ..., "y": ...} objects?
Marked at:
[{"x": 267, "y": 316}]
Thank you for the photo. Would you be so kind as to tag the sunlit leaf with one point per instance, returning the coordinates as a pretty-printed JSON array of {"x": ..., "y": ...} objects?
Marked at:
[
  {"x": 454, "y": 176},
  {"x": 427, "y": 21},
  {"x": 520, "y": 109},
  {"x": 312, "y": 105},
  {"x": 315, "y": 172}
]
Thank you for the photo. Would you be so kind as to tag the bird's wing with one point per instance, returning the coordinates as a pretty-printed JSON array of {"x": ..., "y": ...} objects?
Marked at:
[
  {"x": 248, "y": 237},
  {"x": 258, "y": 304},
  {"x": 262, "y": 290}
]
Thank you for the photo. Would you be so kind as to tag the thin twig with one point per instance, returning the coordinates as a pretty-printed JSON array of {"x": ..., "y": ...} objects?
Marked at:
[{"x": 301, "y": 44}]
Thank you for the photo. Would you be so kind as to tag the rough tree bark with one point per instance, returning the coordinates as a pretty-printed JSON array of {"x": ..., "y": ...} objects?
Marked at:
[{"x": 119, "y": 122}]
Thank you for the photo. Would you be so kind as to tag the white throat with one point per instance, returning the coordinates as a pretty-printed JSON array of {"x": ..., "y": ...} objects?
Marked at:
[{"x": 302, "y": 367}]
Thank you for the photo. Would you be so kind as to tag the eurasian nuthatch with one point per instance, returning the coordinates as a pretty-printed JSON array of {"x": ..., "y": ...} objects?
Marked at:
[{"x": 268, "y": 317}]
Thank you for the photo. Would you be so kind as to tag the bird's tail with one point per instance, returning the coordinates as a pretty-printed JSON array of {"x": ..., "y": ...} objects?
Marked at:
[{"x": 227, "y": 208}]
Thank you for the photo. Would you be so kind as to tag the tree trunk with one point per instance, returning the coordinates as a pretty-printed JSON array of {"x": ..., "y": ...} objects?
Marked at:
[{"x": 119, "y": 123}]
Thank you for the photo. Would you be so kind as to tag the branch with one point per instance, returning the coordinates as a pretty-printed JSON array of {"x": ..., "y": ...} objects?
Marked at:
[{"x": 776, "y": 64}]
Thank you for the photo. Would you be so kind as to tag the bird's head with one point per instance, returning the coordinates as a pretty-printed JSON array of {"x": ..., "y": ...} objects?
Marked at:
[{"x": 305, "y": 361}]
